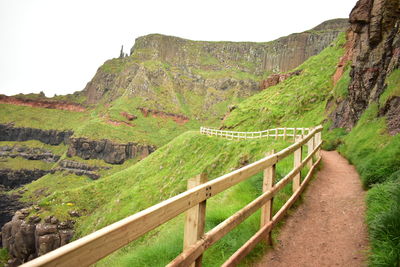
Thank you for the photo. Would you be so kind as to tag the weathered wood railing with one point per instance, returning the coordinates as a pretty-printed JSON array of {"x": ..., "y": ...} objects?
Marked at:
[
  {"x": 95, "y": 246},
  {"x": 273, "y": 133}
]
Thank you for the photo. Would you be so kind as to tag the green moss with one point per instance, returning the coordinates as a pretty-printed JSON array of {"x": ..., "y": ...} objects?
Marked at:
[
  {"x": 340, "y": 91},
  {"x": 3, "y": 256},
  {"x": 393, "y": 88}
]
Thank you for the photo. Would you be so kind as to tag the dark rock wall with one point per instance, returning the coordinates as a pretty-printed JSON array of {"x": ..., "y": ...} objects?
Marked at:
[
  {"x": 9, "y": 204},
  {"x": 107, "y": 150},
  {"x": 28, "y": 153},
  {"x": 130, "y": 77},
  {"x": 374, "y": 36},
  {"x": 11, "y": 179},
  {"x": 52, "y": 137},
  {"x": 28, "y": 238}
]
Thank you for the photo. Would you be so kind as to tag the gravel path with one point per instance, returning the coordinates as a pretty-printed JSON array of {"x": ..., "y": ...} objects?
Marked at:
[{"x": 328, "y": 228}]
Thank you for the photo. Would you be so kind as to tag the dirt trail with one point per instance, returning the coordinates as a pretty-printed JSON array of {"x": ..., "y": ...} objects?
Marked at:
[{"x": 328, "y": 228}]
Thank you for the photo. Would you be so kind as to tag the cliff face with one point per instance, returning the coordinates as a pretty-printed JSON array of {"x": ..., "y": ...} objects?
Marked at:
[
  {"x": 169, "y": 67},
  {"x": 373, "y": 44}
]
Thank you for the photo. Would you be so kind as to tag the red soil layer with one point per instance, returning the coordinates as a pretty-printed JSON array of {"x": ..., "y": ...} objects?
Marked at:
[
  {"x": 39, "y": 103},
  {"x": 179, "y": 119},
  {"x": 348, "y": 54},
  {"x": 118, "y": 123}
]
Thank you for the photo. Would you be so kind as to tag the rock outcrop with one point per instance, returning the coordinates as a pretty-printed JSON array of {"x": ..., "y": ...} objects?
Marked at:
[
  {"x": 79, "y": 168},
  {"x": 178, "y": 118},
  {"x": 181, "y": 65},
  {"x": 41, "y": 103},
  {"x": 107, "y": 150},
  {"x": 52, "y": 137},
  {"x": 28, "y": 238},
  {"x": 374, "y": 44},
  {"x": 274, "y": 79},
  {"x": 9, "y": 204},
  {"x": 11, "y": 179},
  {"x": 30, "y": 153}
]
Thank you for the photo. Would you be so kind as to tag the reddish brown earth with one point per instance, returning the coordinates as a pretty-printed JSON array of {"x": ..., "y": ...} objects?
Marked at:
[
  {"x": 179, "y": 119},
  {"x": 328, "y": 228},
  {"x": 40, "y": 103}
]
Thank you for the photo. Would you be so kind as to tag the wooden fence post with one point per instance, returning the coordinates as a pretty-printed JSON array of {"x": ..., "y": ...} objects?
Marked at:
[
  {"x": 266, "y": 210},
  {"x": 294, "y": 134},
  {"x": 276, "y": 133},
  {"x": 297, "y": 163},
  {"x": 310, "y": 148},
  {"x": 284, "y": 133},
  {"x": 318, "y": 138},
  {"x": 195, "y": 219}
]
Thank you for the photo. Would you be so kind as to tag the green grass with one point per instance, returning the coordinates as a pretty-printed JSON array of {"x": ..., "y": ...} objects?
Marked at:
[
  {"x": 383, "y": 217},
  {"x": 18, "y": 163},
  {"x": 393, "y": 89},
  {"x": 375, "y": 154},
  {"x": 41, "y": 117},
  {"x": 57, "y": 150},
  {"x": 340, "y": 91},
  {"x": 159, "y": 176},
  {"x": 298, "y": 101},
  {"x": 3, "y": 256}
]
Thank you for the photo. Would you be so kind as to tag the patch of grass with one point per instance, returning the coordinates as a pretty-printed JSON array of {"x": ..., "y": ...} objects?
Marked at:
[
  {"x": 340, "y": 91},
  {"x": 18, "y": 163},
  {"x": 43, "y": 118},
  {"x": 333, "y": 139},
  {"x": 58, "y": 150},
  {"x": 375, "y": 154},
  {"x": 383, "y": 217},
  {"x": 393, "y": 88},
  {"x": 3, "y": 256}
]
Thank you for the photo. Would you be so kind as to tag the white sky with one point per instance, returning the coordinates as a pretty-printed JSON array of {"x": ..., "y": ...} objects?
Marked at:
[{"x": 56, "y": 46}]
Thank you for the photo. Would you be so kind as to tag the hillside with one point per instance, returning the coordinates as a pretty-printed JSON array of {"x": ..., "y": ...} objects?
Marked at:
[
  {"x": 359, "y": 107},
  {"x": 170, "y": 85}
]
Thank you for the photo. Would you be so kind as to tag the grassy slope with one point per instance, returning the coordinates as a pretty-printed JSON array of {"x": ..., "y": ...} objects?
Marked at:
[
  {"x": 298, "y": 101},
  {"x": 132, "y": 189},
  {"x": 137, "y": 187},
  {"x": 301, "y": 101}
]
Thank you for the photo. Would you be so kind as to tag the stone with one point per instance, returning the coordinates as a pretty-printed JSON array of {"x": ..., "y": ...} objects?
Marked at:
[
  {"x": 374, "y": 47},
  {"x": 52, "y": 137},
  {"x": 106, "y": 150}
]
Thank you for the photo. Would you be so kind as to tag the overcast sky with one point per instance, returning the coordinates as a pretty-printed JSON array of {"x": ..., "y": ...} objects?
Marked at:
[{"x": 56, "y": 46}]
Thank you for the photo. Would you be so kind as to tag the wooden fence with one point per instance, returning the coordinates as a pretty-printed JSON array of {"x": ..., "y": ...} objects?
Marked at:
[
  {"x": 273, "y": 133},
  {"x": 95, "y": 246}
]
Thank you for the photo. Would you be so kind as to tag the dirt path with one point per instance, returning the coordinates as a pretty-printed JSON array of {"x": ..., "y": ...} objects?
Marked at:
[{"x": 328, "y": 228}]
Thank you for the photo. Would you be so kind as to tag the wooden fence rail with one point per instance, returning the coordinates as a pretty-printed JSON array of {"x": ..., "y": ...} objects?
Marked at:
[
  {"x": 95, "y": 246},
  {"x": 273, "y": 133}
]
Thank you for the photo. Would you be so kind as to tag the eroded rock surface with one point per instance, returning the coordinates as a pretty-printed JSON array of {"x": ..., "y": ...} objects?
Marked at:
[
  {"x": 107, "y": 150},
  {"x": 30, "y": 153},
  {"x": 374, "y": 39},
  {"x": 11, "y": 179},
  {"x": 51, "y": 137},
  {"x": 27, "y": 238}
]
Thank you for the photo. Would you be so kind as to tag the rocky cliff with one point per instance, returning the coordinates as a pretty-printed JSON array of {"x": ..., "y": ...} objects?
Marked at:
[
  {"x": 27, "y": 238},
  {"x": 373, "y": 48},
  {"x": 107, "y": 150},
  {"x": 52, "y": 137},
  {"x": 176, "y": 75}
]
